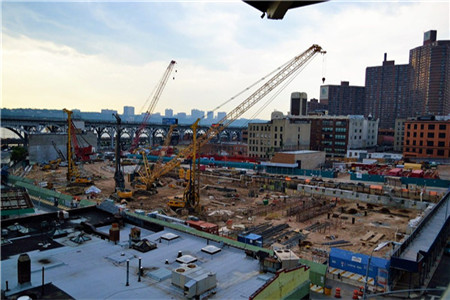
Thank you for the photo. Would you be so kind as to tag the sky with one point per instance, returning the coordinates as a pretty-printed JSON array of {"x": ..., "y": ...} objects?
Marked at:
[{"x": 110, "y": 54}]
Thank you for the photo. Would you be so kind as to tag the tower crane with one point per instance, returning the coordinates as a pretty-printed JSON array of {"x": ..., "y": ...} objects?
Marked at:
[
  {"x": 285, "y": 72},
  {"x": 73, "y": 174},
  {"x": 152, "y": 105}
]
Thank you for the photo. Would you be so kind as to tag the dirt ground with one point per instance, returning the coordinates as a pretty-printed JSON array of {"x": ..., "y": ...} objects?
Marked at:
[{"x": 241, "y": 209}]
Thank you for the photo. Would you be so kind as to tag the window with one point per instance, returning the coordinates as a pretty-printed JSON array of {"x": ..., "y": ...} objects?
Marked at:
[
  {"x": 430, "y": 126},
  {"x": 442, "y": 135},
  {"x": 414, "y": 142},
  {"x": 440, "y": 152},
  {"x": 409, "y": 126},
  {"x": 414, "y": 134},
  {"x": 441, "y": 144},
  {"x": 281, "y": 128},
  {"x": 274, "y": 143},
  {"x": 415, "y": 126},
  {"x": 430, "y": 134},
  {"x": 421, "y": 134},
  {"x": 430, "y": 143},
  {"x": 421, "y": 126},
  {"x": 276, "y": 128},
  {"x": 407, "y": 134},
  {"x": 275, "y": 135},
  {"x": 421, "y": 143},
  {"x": 442, "y": 126},
  {"x": 429, "y": 151}
]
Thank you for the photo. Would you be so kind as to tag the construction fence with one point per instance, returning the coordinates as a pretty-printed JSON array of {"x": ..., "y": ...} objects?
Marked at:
[{"x": 405, "y": 180}]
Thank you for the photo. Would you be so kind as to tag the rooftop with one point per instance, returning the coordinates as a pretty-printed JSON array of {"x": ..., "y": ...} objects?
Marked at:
[{"x": 95, "y": 268}]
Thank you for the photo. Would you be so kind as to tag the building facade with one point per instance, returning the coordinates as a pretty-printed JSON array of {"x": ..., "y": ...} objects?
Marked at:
[
  {"x": 343, "y": 99},
  {"x": 280, "y": 133},
  {"x": 427, "y": 138},
  {"x": 387, "y": 93},
  {"x": 429, "y": 85},
  {"x": 399, "y": 133},
  {"x": 299, "y": 106},
  {"x": 337, "y": 134}
]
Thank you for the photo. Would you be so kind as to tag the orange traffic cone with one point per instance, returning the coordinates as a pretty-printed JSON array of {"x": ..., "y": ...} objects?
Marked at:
[
  {"x": 338, "y": 293},
  {"x": 355, "y": 294}
]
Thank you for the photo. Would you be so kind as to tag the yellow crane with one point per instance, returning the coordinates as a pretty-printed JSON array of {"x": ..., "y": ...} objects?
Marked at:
[
  {"x": 283, "y": 73},
  {"x": 191, "y": 195},
  {"x": 73, "y": 174},
  {"x": 166, "y": 143}
]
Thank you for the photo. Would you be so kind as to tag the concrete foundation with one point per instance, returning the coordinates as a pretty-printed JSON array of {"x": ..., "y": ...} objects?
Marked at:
[
  {"x": 41, "y": 149},
  {"x": 368, "y": 198}
]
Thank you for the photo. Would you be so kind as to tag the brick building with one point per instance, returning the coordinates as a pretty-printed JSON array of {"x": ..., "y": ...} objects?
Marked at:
[{"x": 427, "y": 138}]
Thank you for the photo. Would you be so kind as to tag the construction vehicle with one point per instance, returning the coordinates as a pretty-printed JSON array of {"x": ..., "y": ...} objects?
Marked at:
[
  {"x": 190, "y": 197},
  {"x": 73, "y": 174},
  {"x": 120, "y": 191},
  {"x": 60, "y": 154},
  {"x": 159, "y": 89},
  {"x": 280, "y": 76},
  {"x": 51, "y": 165},
  {"x": 165, "y": 147}
]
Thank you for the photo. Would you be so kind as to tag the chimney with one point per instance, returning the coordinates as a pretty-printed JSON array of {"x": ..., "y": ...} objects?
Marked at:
[
  {"x": 23, "y": 269},
  {"x": 114, "y": 233}
]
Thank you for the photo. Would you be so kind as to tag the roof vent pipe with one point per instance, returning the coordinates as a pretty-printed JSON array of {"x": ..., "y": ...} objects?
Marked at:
[{"x": 180, "y": 254}]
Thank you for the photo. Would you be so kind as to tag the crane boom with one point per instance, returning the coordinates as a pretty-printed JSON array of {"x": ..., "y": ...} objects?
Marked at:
[
  {"x": 291, "y": 67},
  {"x": 152, "y": 105}
]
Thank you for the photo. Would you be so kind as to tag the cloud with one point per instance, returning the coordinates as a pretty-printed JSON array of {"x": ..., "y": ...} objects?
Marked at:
[{"x": 221, "y": 49}]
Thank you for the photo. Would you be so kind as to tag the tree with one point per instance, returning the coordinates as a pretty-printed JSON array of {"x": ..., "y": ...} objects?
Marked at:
[{"x": 18, "y": 153}]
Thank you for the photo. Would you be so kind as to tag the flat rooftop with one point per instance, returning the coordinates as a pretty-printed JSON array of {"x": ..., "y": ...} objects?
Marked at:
[{"x": 96, "y": 268}]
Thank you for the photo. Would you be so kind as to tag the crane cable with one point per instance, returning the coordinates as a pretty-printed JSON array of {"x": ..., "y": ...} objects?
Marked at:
[
  {"x": 251, "y": 86},
  {"x": 276, "y": 93}
]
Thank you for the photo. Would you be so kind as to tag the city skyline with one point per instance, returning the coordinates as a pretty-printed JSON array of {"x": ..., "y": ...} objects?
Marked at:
[{"x": 95, "y": 55}]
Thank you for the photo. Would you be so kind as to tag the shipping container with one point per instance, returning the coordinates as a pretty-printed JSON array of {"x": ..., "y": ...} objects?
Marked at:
[{"x": 357, "y": 263}]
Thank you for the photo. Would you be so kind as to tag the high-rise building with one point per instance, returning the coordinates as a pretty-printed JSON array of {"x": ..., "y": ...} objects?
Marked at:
[
  {"x": 299, "y": 104},
  {"x": 221, "y": 115},
  {"x": 168, "y": 113},
  {"x": 210, "y": 115},
  {"x": 196, "y": 114},
  {"x": 430, "y": 76},
  {"x": 315, "y": 106},
  {"x": 343, "y": 100},
  {"x": 128, "y": 111},
  {"x": 386, "y": 93}
]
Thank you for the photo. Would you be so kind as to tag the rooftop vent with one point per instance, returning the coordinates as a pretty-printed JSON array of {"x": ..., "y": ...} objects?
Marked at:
[
  {"x": 211, "y": 249},
  {"x": 186, "y": 259},
  {"x": 169, "y": 236}
]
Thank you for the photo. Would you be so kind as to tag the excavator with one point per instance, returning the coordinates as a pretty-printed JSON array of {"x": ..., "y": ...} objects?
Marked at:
[
  {"x": 191, "y": 196},
  {"x": 73, "y": 174}
]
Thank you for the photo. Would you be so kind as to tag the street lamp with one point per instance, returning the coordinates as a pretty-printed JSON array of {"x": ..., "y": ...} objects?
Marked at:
[{"x": 368, "y": 266}]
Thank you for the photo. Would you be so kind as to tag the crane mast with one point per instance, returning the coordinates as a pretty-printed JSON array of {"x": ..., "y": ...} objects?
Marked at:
[
  {"x": 291, "y": 67},
  {"x": 152, "y": 104}
]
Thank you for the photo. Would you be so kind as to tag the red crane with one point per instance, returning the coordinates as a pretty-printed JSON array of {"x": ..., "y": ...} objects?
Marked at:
[{"x": 152, "y": 105}]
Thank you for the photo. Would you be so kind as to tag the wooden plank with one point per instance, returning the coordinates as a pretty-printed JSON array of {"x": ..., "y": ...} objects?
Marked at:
[
  {"x": 376, "y": 238},
  {"x": 367, "y": 236}
]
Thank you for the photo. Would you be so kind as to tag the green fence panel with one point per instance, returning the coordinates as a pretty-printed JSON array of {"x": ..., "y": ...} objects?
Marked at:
[{"x": 317, "y": 272}]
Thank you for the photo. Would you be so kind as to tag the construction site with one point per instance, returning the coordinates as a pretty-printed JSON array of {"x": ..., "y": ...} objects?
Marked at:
[
  {"x": 259, "y": 206},
  {"x": 283, "y": 211}
]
